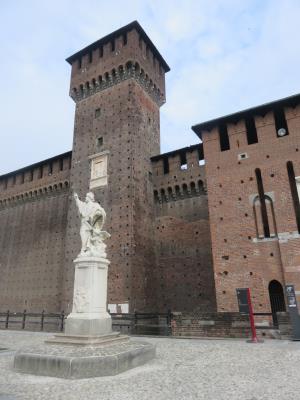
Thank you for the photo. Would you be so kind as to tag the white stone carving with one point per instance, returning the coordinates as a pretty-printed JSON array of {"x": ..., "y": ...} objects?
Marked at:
[
  {"x": 80, "y": 301},
  {"x": 92, "y": 217},
  {"x": 89, "y": 309}
]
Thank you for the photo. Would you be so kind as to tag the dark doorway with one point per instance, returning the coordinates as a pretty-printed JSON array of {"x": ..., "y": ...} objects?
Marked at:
[{"x": 276, "y": 299}]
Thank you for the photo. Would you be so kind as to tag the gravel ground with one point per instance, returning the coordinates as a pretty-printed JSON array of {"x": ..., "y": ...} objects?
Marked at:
[{"x": 183, "y": 369}]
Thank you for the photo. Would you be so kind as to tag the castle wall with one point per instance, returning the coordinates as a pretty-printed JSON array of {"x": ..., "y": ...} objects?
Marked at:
[
  {"x": 182, "y": 278},
  {"x": 243, "y": 255},
  {"x": 33, "y": 210}
]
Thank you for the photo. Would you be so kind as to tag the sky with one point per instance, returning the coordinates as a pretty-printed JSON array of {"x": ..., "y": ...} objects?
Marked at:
[{"x": 225, "y": 56}]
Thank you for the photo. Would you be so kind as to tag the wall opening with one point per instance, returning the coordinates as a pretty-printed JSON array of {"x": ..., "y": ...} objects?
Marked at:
[
  {"x": 295, "y": 188},
  {"x": 251, "y": 130},
  {"x": 166, "y": 165},
  {"x": 280, "y": 122},
  {"x": 276, "y": 299},
  {"x": 263, "y": 207},
  {"x": 183, "y": 161},
  {"x": 224, "y": 138}
]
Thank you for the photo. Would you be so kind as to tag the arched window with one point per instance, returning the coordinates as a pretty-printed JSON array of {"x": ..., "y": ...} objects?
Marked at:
[
  {"x": 270, "y": 215},
  {"x": 170, "y": 193},
  {"x": 193, "y": 188},
  {"x": 185, "y": 189},
  {"x": 163, "y": 195},
  {"x": 276, "y": 299},
  {"x": 177, "y": 191},
  {"x": 200, "y": 186},
  {"x": 156, "y": 197}
]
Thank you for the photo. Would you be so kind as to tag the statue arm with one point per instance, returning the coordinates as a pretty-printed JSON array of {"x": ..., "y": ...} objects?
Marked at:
[{"x": 78, "y": 202}]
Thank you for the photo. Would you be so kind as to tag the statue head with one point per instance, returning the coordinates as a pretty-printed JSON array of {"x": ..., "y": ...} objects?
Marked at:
[{"x": 89, "y": 197}]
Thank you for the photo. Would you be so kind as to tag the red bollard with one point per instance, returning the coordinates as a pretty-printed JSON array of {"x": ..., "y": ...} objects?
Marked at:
[{"x": 252, "y": 323}]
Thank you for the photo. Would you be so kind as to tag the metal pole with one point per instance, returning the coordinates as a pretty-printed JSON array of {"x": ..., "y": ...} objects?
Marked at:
[
  {"x": 23, "y": 320},
  {"x": 251, "y": 317},
  {"x": 42, "y": 320},
  {"x": 7, "y": 319}
]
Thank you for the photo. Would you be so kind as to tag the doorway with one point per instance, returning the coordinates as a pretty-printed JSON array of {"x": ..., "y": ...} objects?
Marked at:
[{"x": 276, "y": 299}]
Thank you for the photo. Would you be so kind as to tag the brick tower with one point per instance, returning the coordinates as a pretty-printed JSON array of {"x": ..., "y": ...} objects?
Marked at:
[{"x": 118, "y": 86}]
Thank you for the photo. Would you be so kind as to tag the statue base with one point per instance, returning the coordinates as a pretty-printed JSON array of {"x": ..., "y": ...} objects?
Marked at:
[
  {"x": 71, "y": 361},
  {"x": 89, "y": 315},
  {"x": 88, "y": 340}
]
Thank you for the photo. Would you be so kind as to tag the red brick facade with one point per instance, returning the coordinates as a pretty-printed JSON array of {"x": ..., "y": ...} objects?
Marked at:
[{"x": 243, "y": 254}]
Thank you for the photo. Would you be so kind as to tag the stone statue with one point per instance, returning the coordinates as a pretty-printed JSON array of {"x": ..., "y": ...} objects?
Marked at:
[{"x": 93, "y": 218}]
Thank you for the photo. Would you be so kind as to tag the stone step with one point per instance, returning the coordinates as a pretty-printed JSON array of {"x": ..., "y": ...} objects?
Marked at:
[{"x": 88, "y": 340}]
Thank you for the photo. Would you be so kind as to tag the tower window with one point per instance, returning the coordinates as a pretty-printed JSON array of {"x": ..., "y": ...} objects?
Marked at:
[
  {"x": 166, "y": 165},
  {"x": 97, "y": 112},
  {"x": 112, "y": 45},
  {"x": 124, "y": 39},
  {"x": 224, "y": 138},
  {"x": 79, "y": 63},
  {"x": 295, "y": 189},
  {"x": 101, "y": 51},
  {"x": 61, "y": 164},
  {"x": 183, "y": 162},
  {"x": 99, "y": 142},
  {"x": 280, "y": 123},
  {"x": 251, "y": 130},
  {"x": 90, "y": 57}
]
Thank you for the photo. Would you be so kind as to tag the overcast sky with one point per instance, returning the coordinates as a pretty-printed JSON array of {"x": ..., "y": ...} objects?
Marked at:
[{"x": 225, "y": 55}]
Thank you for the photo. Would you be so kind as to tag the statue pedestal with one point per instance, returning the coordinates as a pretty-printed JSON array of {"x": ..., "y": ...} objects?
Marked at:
[{"x": 89, "y": 316}]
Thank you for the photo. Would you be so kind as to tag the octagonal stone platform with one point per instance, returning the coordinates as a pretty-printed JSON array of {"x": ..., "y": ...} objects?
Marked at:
[{"x": 76, "y": 362}]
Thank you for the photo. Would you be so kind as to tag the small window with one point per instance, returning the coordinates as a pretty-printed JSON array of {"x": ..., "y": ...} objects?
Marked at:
[
  {"x": 90, "y": 57},
  {"x": 99, "y": 142},
  {"x": 224, "y": 138},
  {"x": 166, "y": 165},
  {"x": 251, "y": 130},
  {"x": 124, "y": 39},
  {"x": 101, "y": 51},
  {"x": 79, "y": 63},
  {"x": 112, "y": 45},
  {"x": 97, "y": 112},
  {"x": 50, "y": 168},
  {"x": 280, "y": 123},
  {"x": 140, "y": 42},
  {"x": 183, "y": 162}
]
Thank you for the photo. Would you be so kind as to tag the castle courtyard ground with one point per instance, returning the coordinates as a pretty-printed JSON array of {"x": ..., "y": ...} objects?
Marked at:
[{"x": 183, "y": 369}]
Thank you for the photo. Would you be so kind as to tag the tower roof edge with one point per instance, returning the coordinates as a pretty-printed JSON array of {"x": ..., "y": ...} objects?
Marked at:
[{"x": 117, "y": 33}]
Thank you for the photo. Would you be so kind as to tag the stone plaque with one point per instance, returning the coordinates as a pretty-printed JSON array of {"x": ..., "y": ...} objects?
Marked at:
[{"x": 99, "y": 175}]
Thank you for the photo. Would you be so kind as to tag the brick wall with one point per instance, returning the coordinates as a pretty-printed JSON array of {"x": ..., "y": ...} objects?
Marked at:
[
  {"x": 242, "y": 257},
  {"x": 228, "y": 325},
  {"x": 182, "y": 278},
  {"x": 33, "y": 210}
]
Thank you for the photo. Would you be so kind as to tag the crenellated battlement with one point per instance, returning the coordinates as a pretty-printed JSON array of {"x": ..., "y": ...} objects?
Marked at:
[
  {"x": 42, "y": 177},
  {"x": 179, "y": 174},
  {"x": 124, "y": 54},
  {"x": 115, "y": 76}
]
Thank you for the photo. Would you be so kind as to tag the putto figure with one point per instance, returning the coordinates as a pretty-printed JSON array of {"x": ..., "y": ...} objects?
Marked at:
[{"x": 92, "y": 217}]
